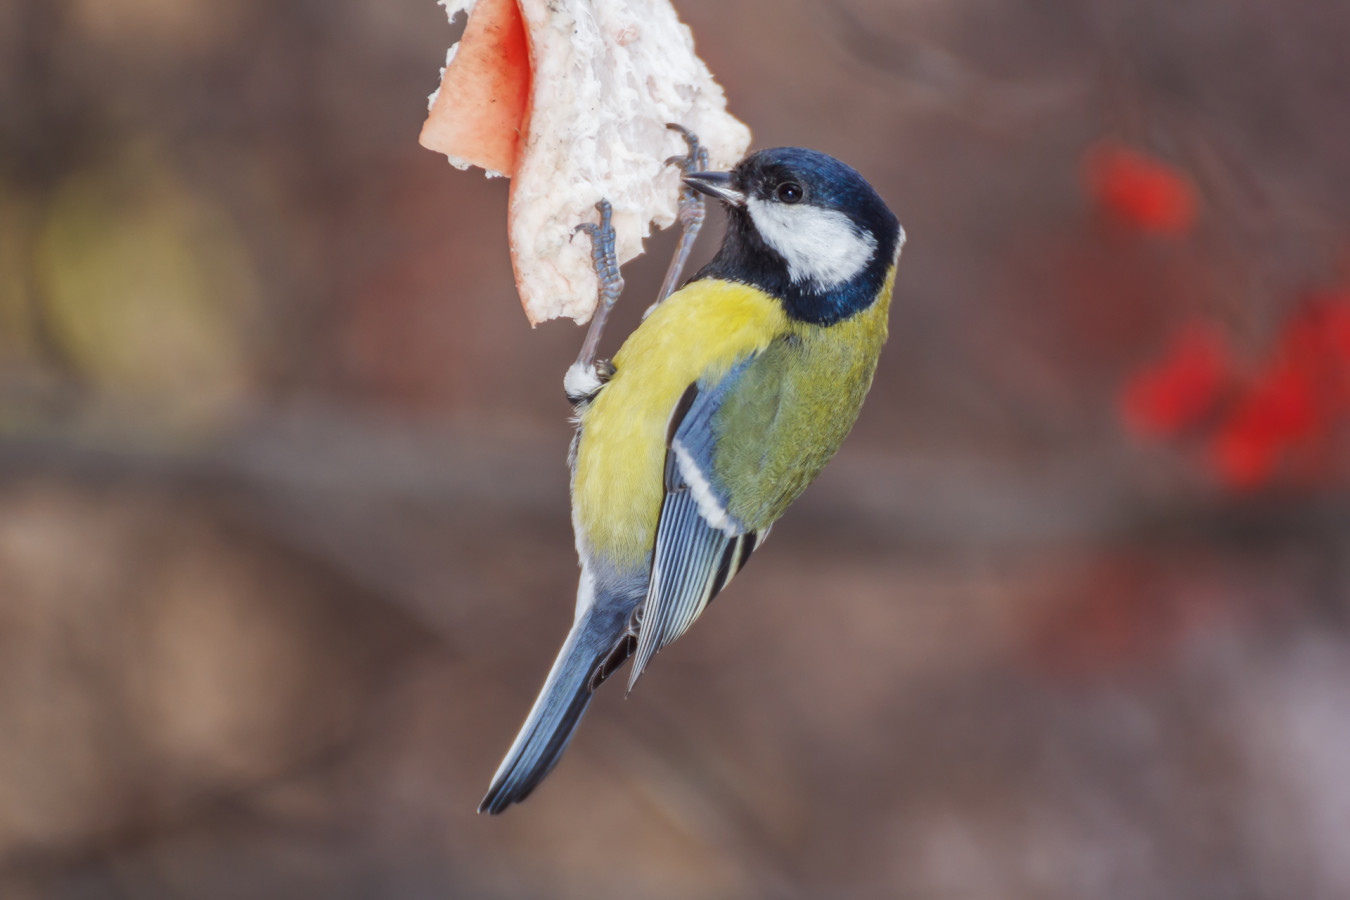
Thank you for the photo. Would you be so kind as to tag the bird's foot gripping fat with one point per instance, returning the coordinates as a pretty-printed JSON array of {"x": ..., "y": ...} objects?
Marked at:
[
  {"x": 602, "y": 253},
  {"x": 585, "y": 376},
  {"x": 696, "y": 160},
  {"x": 690, "y": 214}
]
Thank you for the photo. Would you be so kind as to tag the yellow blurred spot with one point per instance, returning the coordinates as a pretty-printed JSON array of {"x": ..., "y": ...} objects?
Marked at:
[{"x": 148, "y": 289}]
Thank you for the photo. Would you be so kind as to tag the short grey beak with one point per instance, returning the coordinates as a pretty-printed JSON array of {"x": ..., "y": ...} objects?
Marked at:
[{"x": 715, "y": 184}]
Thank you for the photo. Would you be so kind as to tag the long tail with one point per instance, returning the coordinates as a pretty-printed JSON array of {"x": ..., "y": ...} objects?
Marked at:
[{"x": 598, "y": 643}]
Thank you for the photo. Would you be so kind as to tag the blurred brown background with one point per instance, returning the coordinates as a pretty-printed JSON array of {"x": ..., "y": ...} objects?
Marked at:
[{"x": 284, "y": 540}]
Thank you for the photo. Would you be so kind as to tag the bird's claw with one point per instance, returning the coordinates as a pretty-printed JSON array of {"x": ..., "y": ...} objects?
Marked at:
[
  {"x": 696, "y": 160},
  {"x": 604, "y": 254},
  {"x": 605, "y": 261},
  {"x": 690, "y": 212}
]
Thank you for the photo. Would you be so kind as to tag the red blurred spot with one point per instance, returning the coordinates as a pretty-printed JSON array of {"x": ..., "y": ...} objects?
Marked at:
[
  {"x": 1317, "y": 341},
  {"x": 1282, "y": 414},
  {"x": 1139, "y": 190},
  {"x": 1291, "y": 408},
  {"x": 1164, "y": 398},
  {"x": 1276, "y": 413}
]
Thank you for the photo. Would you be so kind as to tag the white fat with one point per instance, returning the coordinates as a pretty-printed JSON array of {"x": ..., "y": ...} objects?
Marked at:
[
  {"x": 821, "y": 246},
  {"x": 709, "y": 507},
  {"x": 607, "y": 75},
  {"x": 580, "y": 381}
]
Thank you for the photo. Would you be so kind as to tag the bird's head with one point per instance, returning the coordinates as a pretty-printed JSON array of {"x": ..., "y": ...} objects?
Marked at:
[{"x": 805, "y": 228}]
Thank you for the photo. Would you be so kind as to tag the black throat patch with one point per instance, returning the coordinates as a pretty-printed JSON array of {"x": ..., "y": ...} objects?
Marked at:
[{"x": 745, "y": 258}]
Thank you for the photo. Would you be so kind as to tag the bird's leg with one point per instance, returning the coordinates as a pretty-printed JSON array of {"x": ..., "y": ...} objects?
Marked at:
[
  {"x": 586, "y": 376},
  {"x": 690, "y": 214}
]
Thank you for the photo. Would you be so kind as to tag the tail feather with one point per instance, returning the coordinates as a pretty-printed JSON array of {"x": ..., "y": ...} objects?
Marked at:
[{"x": 589, "y": 651}]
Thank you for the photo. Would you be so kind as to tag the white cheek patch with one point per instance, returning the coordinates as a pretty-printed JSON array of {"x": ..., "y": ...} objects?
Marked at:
[{"x": 820, "y": 245}]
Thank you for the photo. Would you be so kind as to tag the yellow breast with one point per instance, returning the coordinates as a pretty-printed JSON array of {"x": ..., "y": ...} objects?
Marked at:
[{"x": 698, "y": 332}]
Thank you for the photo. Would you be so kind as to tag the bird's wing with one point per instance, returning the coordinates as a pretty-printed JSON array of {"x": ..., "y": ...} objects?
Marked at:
[{"x": 700, "y": 544}]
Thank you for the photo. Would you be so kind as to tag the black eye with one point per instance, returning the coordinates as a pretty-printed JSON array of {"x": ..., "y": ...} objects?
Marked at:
[{"x": 788, "y": 192}]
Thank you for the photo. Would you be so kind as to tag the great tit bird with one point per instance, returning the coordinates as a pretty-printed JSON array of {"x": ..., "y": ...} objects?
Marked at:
[{"x": 717, "y": 412}]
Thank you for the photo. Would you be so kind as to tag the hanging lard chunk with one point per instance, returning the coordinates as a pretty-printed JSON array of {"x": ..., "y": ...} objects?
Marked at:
[{"x": 570, "y": 99}]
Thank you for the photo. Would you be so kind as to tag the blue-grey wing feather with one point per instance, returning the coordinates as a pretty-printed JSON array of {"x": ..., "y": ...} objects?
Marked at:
[{"x": 699, "y": 545}]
